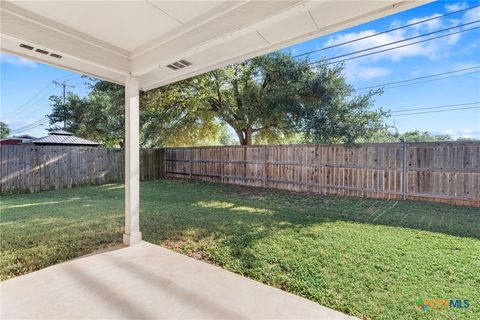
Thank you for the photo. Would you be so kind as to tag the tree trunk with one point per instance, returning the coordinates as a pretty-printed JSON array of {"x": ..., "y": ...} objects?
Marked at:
[
  {"x": 244, "y": 136},
  {"x": 248, "y": 136}
]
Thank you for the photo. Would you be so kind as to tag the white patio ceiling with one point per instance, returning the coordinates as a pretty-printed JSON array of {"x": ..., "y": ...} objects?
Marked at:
[{"x": 112, "y": 39}]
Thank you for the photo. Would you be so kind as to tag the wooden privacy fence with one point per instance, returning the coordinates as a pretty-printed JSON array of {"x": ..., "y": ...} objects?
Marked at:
[
  {"x": 441, "y": 172},
  {"x": 27, "y": 168}
]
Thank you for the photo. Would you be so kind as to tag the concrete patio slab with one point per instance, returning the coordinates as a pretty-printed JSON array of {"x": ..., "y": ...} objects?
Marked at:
[{"x": 146, "y": 281}]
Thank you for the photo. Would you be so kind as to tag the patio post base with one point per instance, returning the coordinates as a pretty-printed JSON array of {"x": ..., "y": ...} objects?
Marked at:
[{"x": 131, "y": 239}]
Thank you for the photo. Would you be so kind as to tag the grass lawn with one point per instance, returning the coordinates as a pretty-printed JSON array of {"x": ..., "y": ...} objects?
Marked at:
[{"x": 370, "y": 258}]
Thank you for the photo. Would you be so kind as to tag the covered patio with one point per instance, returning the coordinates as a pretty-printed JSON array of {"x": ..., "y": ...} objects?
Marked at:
[
  {"x": 146, "y": 281},
  {"x": 144, "y": 45}
]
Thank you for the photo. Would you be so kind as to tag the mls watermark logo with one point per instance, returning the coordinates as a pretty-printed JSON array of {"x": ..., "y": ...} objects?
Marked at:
[{"x": 425, "y": 304}]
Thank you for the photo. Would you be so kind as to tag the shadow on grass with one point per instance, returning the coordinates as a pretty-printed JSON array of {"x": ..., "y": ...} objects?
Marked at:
[
  {"x": 246, "y": 212},
  {"x": 176, "y": 212}
]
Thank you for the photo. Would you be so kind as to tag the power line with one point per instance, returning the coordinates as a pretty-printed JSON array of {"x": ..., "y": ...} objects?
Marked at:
[
  {"x": 437, "y": 107},
  {"x": 64, "y": 85},
  {"x": 386, "y": 31},
  {"x": 80, "y": 83},
  {"x": 407, "y": 39},
  {"x": 42, "y": 121},
  {"x": 22, "y": 110},
  {"x": 68, "y": 76},
  {"x": 431, "y": 80},
  {"x": 393, "y": 48},
  {"x": 30, "y": 124},
  {"x": 29, "y": 100},
  {"x": 418, "y": 78},
  {"x": 38, "y": 125},
  {"x": 16, "y": 132},
  {"x": 412, "y": 113},
  {"x": 33, "y": 125},
  {"x": 27, "y": 104}
]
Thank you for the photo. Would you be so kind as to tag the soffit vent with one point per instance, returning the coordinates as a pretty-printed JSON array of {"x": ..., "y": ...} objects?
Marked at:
[
  {"x": 40, "y": 51},
  {"x": 24, "y": 46},
  {"x": 179, "y": 64}
]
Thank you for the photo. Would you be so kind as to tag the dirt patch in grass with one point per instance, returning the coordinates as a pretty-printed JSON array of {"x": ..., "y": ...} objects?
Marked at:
[{"x": 186, "y": 246}]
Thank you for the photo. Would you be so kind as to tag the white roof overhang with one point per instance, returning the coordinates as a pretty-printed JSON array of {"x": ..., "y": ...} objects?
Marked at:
[{"x": 112, "y": 39}]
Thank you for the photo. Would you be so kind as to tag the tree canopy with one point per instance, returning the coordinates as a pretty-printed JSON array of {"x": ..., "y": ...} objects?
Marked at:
[
  {"x": 276, "y": 96},
  {"x": 171, "y": 121},
  {"x": 272, "y": 98},
  {"x": 99, "y": 116},
  {"x": 387, "y": 135},
  {"x": 4, "y": 130},
  {"x": 423, "y": 136}
]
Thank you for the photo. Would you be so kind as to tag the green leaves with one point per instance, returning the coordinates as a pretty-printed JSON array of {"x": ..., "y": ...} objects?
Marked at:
[
  {"x": 99, "y": 116},
  {"x": 4, "y": 130},
  {"x": 273, "y": 97},
  {"x": 269, "y": 99}
]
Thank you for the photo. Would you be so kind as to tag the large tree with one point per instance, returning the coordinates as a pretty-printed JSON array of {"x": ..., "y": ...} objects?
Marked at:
[
  {"x": 277, "y": 96},
  {"x": 174, "y": 115},
  {"x": 100, "y": 116},
  {"x": 273, "y": 98}
]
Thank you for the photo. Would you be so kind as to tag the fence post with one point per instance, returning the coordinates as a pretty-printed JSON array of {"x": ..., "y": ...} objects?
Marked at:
[
  {"x": 245, "y": 164},
  {"x": 221, "y": 164},
  {"x": 265, "y": 148},
  {"x": 164, "y": 162},
  {"x": 190, "y": 160},
  {"x": 319, "y": 147},
  {"x": 404, "y": 172}
]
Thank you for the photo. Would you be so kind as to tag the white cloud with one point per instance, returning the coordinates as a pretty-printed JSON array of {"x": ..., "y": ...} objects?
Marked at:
[
  {"x": 461, "y": 133},
  {"x": 430, "y": 25},
  {"x": 455, "y": 6},
  {"x": 19, "y": 61},
  {"x": 471, "y": 15},
  {"x": 355, "y": 72},
  {"x": 429, "y": 50},
  {"x": 418, "y": 71},
  {"x": 367, "y": 68},
  {"x": 450, "y": 132},
  {"x": 432, "y": 50},
  {"x": 14, "y": 124}
]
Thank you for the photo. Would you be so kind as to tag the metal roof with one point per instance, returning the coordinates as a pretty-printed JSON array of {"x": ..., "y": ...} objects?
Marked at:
[
  {"x": 61, "y": 137},
  {"x": 61, "y": 132}
]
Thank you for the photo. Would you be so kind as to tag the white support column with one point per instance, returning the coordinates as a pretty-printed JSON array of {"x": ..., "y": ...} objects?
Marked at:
[{"x": 132, "y": 233}]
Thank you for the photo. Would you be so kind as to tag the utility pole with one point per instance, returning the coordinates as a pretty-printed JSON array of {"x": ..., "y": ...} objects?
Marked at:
[{"x": 64, "y": 85}]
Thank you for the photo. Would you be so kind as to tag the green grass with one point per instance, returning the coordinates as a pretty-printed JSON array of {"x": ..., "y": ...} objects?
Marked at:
[{"x": 370, "y": 258}]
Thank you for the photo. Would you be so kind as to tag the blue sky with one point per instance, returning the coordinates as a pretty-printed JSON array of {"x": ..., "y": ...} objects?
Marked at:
[{"x": 22, "y": 79}]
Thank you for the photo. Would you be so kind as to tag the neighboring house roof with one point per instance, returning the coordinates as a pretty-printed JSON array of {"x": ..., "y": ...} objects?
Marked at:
[
  {"x": 62, "y": 137},
  {"x": 16, "y": 139},
  {"x": 10, "y": 141},
  {"x": 25, "y": 136}
]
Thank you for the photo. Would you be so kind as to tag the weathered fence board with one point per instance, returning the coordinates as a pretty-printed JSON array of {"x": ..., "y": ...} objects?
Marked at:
[
  {"x": 27, "y": 168},
  {"x": 441, "y": 172}
]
